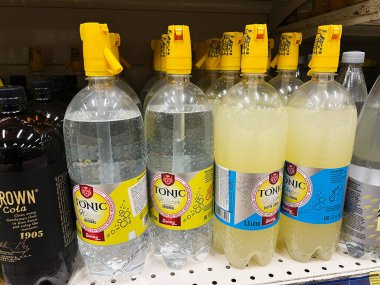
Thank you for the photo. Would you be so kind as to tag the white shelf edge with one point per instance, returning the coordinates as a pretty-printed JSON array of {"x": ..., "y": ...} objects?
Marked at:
[{"x": 340, "y": 266}]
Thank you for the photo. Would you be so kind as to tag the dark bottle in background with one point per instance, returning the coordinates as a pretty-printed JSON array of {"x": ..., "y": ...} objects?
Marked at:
[
  {"x": 37, "y": 226},
  {"x": 43, "y": 103}
]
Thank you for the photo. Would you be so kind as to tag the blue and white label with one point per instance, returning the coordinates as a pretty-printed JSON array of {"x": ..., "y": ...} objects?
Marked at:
[
  {"x": 247, "y": 201},
  {"x": 314, "y": 195}
]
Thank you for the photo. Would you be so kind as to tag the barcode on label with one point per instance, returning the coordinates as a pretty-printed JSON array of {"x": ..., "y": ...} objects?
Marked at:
[{"x": 222, "y": 213}]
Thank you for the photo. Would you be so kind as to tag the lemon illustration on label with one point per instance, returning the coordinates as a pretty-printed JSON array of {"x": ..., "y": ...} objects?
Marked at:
[
  {"x": 171, "y": 197},
  {"x": 298, "y": 187},
  {"x": 266, "y": 196},
  {"x": 94, "y": 209}
]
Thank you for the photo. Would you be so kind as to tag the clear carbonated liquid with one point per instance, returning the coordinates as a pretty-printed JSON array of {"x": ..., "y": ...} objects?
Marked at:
[
  {"x": 122, "y": 141},
  {"x": 180, "y": 142}
]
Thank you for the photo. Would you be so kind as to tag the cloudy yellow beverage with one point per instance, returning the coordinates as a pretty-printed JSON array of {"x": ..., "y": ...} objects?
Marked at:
[{"x": 248, "y": 140}]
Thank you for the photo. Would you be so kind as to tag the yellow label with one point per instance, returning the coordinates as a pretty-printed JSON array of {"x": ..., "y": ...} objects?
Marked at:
[
  {"x": 113, "y": 213},
  {"x": 181, "y": 201},
  {"x": 374, "y": 278},
  {"x": 266, "y": 196},
  {"x": 297, "y": 186}
]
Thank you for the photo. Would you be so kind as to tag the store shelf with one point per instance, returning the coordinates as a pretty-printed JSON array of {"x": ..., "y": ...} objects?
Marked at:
[
  {"x": 282, "y": 270},
  {"x": 367, "y": 12}
]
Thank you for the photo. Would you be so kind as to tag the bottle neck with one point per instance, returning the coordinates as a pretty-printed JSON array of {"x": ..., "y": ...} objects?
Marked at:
[
  {"x": 253, "y": 77},
  {"x": 286, "y": 73},
  {"x": 229, "y": 73},
  {"x": 323, "y": 76},
  {"x": 100, "y": 81},
  {"x": 178, "y": 78}
]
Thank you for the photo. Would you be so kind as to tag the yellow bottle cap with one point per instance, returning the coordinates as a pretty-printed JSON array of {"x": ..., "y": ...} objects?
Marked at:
[
  {"x": 163, "y": 42},
  {"x": 270, "y": 47},
  {"x": 200, "y": 50},
  {"x": 1, "y": 83},
  {"x": 211, "y": 59},
  {"x": 288, "y": 52},
  {"x": 156, "y": 48},
  {"x": 254, "y": 57},
  {"x": 36, "y": 61},
  {"x": 98, "y": 57},
  {"x": 178, "y": 50},
  {"x": 115, "y": 43},
  {"x": 326, "y": 49},
  {"x": 231, "y": 51}
]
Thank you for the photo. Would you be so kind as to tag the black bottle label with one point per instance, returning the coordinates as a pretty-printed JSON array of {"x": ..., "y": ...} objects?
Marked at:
[{"x": 36, "y": 214}]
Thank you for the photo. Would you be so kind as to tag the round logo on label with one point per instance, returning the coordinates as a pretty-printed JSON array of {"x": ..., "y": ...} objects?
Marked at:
[
  {"x": 170, "y": 194},
  {"x": 266, "y": 196},
  {"x": 298, "y": 188},
  {"x": 94, "y": 209}
]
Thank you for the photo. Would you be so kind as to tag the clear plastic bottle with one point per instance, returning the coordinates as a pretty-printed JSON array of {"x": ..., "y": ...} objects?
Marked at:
[
  {"x": 229, "y": 68},
  {"x": 287, "y": 62},
  {"x": 179, "y": 132},
  {"x": 158, "y": 84},
  {"x": 33, "y": 168},
  {"x": 123, "y": 85},
  {"x": 106, "y": 156},
  {"x": 302, "y": 69},
  {"x": 158, "y": 74},
  {"x": 250, "y": 142},
  {"x": 322, "y": 122},
  {"x": 43, "y": 103},
  {"x": 360, "y": 230},
  {"x": 351, "y": 76},
  {"x": 211, "y": 61}
]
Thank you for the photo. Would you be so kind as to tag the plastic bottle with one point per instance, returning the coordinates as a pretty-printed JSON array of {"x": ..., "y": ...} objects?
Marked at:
[
  {"x": 156, "y": 86},
  {"x": 250, "y": 141},
  {"x": 35, "y": 193},
  {"x": 20, "y": 80},
  {"x": 158, "y": 74},
  {"x": 229, "y": 68},
  {"x": 211, "y": 62},
  {"x": 270, "y": 71},
  {"x": 179, "y": 131},
  {"x": 106, "y": 157},
  {"x": 351, "y": 76},
  {"x": 52, "y": 110},
  {"x": 360, "y": 229},
  {"x": 199, "y": 51},
  {"x": 322, "y": 122},
  {"x": 286, "y": 60},
  {"x": 115, "y": 43},
  {"x": 36, "y": 63}
]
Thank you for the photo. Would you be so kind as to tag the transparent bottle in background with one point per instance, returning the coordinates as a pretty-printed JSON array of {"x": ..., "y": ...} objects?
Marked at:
[
  {"x": 106, "y": 157},
  {"x": 115, "y": 43},
  {"x": 179, "y": 132},
  {"x": 158, "y": 74},
  {"x": 322, "y": 123},
  {"x": 229, "y": 68},
  {"x": 302, "y": 69},
  {"x": 36, "y": 63},
  {"x": 351, "y": 76},
  {"x": 156, "y": 86},
  {"x": 286, "y": 81},
  {"x": 199, "y": 51},
  {"x": 211, "y": 62},
  {"x": 250, "y": 142},
  {"x": 360, "y": 230}
]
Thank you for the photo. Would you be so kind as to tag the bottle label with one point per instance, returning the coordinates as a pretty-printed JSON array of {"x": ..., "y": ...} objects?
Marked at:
[
  {"x": 362, "y": 206},
  {"x": 313, "y": 195},
  {"x": 36, "y": 214},
  {"x": 247, "y": 201},
  {"x": 110, "y": 214},
  {"x": 181, "y": 201}
]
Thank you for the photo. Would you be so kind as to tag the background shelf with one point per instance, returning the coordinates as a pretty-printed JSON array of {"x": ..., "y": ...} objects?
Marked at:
[{"x": 215, "y": 271}]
